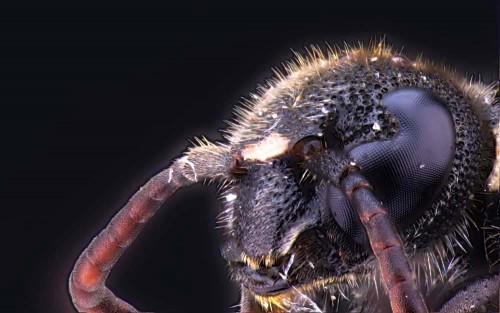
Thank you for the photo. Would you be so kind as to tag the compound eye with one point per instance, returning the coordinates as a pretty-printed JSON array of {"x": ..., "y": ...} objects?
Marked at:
[
  {"x": 408, "y": 171},
  {"x": 307, "y": 147}
]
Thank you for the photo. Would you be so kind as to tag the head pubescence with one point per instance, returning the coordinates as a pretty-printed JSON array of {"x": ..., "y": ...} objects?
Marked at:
[
  {"x": 426, "y": 141},
  {"x": 289, "y": 228}
]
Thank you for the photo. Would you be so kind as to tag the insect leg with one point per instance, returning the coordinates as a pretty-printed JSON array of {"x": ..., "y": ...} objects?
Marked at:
[
  {"x": 386, "y": 244},
  {"x": 87, "y": 281}
]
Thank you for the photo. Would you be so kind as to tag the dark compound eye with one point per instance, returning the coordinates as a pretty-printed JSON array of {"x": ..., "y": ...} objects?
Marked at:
[
  {"x": 307, "y": 147},
  {"x": 409, "y": 171}
]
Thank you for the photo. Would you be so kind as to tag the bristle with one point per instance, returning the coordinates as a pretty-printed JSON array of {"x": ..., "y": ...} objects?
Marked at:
[
  {"x": 256, "y": 116},
  {"x": 291, "y": 80}
]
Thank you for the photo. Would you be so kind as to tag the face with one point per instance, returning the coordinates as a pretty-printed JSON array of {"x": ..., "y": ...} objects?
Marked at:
[
  {"x": 413, "y": 130},
  {"x": 426, "y": 145}
]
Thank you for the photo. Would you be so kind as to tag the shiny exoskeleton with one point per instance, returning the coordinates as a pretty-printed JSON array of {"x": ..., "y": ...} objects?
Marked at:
[{"x": 351, "y": 185}]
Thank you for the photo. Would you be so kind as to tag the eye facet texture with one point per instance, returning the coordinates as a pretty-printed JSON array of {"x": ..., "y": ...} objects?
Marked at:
[{"x": 409, "y": 170}]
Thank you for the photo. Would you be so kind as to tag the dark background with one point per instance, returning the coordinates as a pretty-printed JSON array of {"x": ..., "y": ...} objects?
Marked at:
[{"x": 98, "y": 96}]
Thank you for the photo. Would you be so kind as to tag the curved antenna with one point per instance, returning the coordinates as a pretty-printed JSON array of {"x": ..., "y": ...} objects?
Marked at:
[{"x": 88, "y": 278}]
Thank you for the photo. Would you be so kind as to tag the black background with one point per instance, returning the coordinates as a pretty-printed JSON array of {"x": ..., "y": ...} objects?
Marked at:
[{"x": 98, "y": 96}]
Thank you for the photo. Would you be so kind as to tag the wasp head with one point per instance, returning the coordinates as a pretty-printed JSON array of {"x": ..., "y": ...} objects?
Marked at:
[
  {"x": 350, "y": 163},
  {"x": 422, "y": 137}
]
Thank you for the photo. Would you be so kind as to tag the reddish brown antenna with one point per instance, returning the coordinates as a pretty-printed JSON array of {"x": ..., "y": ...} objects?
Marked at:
[
  {"x": 386, "y": 244},
  {"x": 87, "y": 281}
]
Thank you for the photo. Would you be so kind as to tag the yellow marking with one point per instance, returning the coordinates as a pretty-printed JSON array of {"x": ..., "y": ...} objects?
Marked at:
[
  {"x": 494, "y": 178},
  {"x": 282, "y": 301},
  {"x": 255, "y": 264},
  {"x": 270, "y": 147}
]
